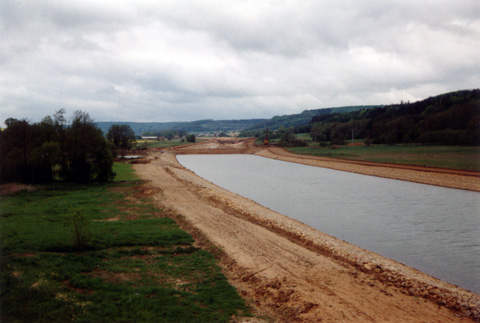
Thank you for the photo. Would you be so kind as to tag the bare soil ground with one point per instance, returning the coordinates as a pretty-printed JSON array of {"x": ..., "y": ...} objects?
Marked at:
[{"x": 290, "y": 272}]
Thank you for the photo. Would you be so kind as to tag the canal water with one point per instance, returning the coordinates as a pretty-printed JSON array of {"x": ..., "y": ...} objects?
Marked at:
[{"x": 433, "y": 229}]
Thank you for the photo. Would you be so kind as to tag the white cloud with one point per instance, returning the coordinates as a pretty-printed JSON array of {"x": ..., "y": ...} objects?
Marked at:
[{"x": 189, "y": 60}]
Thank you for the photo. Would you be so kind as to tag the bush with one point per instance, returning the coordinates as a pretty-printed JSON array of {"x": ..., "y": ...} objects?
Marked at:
[
  {"x": 81, "y": 232},
  {"x": 337, "y": 141},
  {"x": 290, "y": 140}
]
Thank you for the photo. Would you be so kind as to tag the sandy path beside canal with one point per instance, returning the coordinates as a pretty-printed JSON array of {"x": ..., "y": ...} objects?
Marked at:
[{"x": 291, "y": 272}]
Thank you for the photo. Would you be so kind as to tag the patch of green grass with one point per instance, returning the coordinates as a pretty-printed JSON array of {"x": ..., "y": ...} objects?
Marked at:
[
  {"x": 124, "y": 172},
  {"x": 304, "y": 136},
  {"x": 452, "y": 157},
  {"x": 136, "y": 264}
]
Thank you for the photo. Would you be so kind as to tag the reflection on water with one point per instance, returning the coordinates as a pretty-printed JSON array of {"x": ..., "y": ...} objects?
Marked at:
[{"x": 433, "y": 229}]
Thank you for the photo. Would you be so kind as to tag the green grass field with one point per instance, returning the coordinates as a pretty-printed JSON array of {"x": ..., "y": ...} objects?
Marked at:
[
  {"x": 453, "y": 157},
  {"x": 125, "y": 262}
]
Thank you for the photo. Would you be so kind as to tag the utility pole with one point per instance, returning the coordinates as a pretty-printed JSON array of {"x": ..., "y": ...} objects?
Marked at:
[{"x": 352, "y": 136}]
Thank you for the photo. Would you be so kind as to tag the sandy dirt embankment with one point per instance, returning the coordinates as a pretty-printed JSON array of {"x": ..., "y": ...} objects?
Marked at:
[{"x": 289, "y": 271}]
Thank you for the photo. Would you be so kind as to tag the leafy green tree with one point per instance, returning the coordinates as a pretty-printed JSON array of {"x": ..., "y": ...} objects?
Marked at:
[
  {"x": 122, "y": 136},
  {"x": 45, "y": 160},
  {"x": 88, "y": 155},
  {"x": 48, "y": 155},
  {"x": 33, "y": 153},
  {"x": 17, "y": 145},
  {"x": 191, "y": 138},
  {"x": 289, "y": 139}
]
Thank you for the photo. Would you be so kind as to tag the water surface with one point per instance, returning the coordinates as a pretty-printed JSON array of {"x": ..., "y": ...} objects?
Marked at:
[{"x": 433, "y": 229}]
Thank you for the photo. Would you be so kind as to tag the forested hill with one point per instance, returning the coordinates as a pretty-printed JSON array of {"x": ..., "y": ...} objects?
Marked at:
[
  {"x": 447, "y": 119},
  {"x": 151, "y": 128},
  {"x": 139, "y": 127},
  {"x": 216, "y": 125},
  {"x": 300, "y": 121},
  {"x": 248, "y": 126}
]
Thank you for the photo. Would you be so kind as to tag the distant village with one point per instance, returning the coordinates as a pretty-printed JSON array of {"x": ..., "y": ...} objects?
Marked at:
[{"x": 233, "y": 133}]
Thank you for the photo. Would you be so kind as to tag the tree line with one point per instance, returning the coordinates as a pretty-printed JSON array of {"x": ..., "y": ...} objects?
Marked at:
[
  {"x": 299, "y": 122},
  {"x": 447, "y": 119},
  {"x": 53, "y": 150}
]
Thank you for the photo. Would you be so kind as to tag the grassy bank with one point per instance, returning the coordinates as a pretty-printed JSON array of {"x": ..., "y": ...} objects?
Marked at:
[
  {"x": 104, "y": 253},
  {"x": 453, "y": 157}
]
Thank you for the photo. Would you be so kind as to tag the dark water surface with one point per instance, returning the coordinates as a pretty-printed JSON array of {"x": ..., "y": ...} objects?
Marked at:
[{"x": 433, "y": 229}]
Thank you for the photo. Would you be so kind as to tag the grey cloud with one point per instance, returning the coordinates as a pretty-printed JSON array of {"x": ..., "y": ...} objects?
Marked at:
[{"x": 188, "y": 60}]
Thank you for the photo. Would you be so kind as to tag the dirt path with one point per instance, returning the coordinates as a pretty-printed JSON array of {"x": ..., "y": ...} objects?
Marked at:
[{"x": 290, "y": 272}]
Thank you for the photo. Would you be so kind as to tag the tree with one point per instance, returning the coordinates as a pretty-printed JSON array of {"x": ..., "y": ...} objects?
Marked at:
[
  {"x": 290, "y": 140},
  {"x": 191, "y": 138},
  {"x": 60, "y": 126},
  {"x": 45, "y": 159},
  {"x": 88, "y": 155},
  {"x": 49, "y": 153},
  {"x": 17, "y": 144},
  {"x": 122, "y": 136},
  {"x": 318, "y": 132},
  {"x": 33, "y": 153}
]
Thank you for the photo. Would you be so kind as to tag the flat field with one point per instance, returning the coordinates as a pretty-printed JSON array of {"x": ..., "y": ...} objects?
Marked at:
[
  {"x": 103, "y": 252},
  {"x": 452, "y": 157},
  {"x": 161, "y": 143}
]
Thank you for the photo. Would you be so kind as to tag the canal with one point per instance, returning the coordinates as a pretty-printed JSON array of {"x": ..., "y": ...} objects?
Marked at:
[{"x": 433, "y": 229}]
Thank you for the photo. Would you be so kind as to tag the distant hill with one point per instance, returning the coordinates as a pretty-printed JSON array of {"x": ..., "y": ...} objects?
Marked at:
[
  {"x": 447, "y": 119},
  {"x": 249, "y": 127},
  {"x": 300, "y": 120},
  {"x": 216, "y": 125},
  {"x": 139, "y": 127},
  {"x": 142, "y": 128}
]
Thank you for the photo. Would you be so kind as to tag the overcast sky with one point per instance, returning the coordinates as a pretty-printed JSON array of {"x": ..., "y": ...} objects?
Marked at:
[{"x": 179, "y": 60}]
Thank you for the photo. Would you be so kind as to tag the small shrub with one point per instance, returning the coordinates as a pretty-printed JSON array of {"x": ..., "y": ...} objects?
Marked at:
[
  {"x": 290, "y": 140},
  {"x": 81, "y": 231}
]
